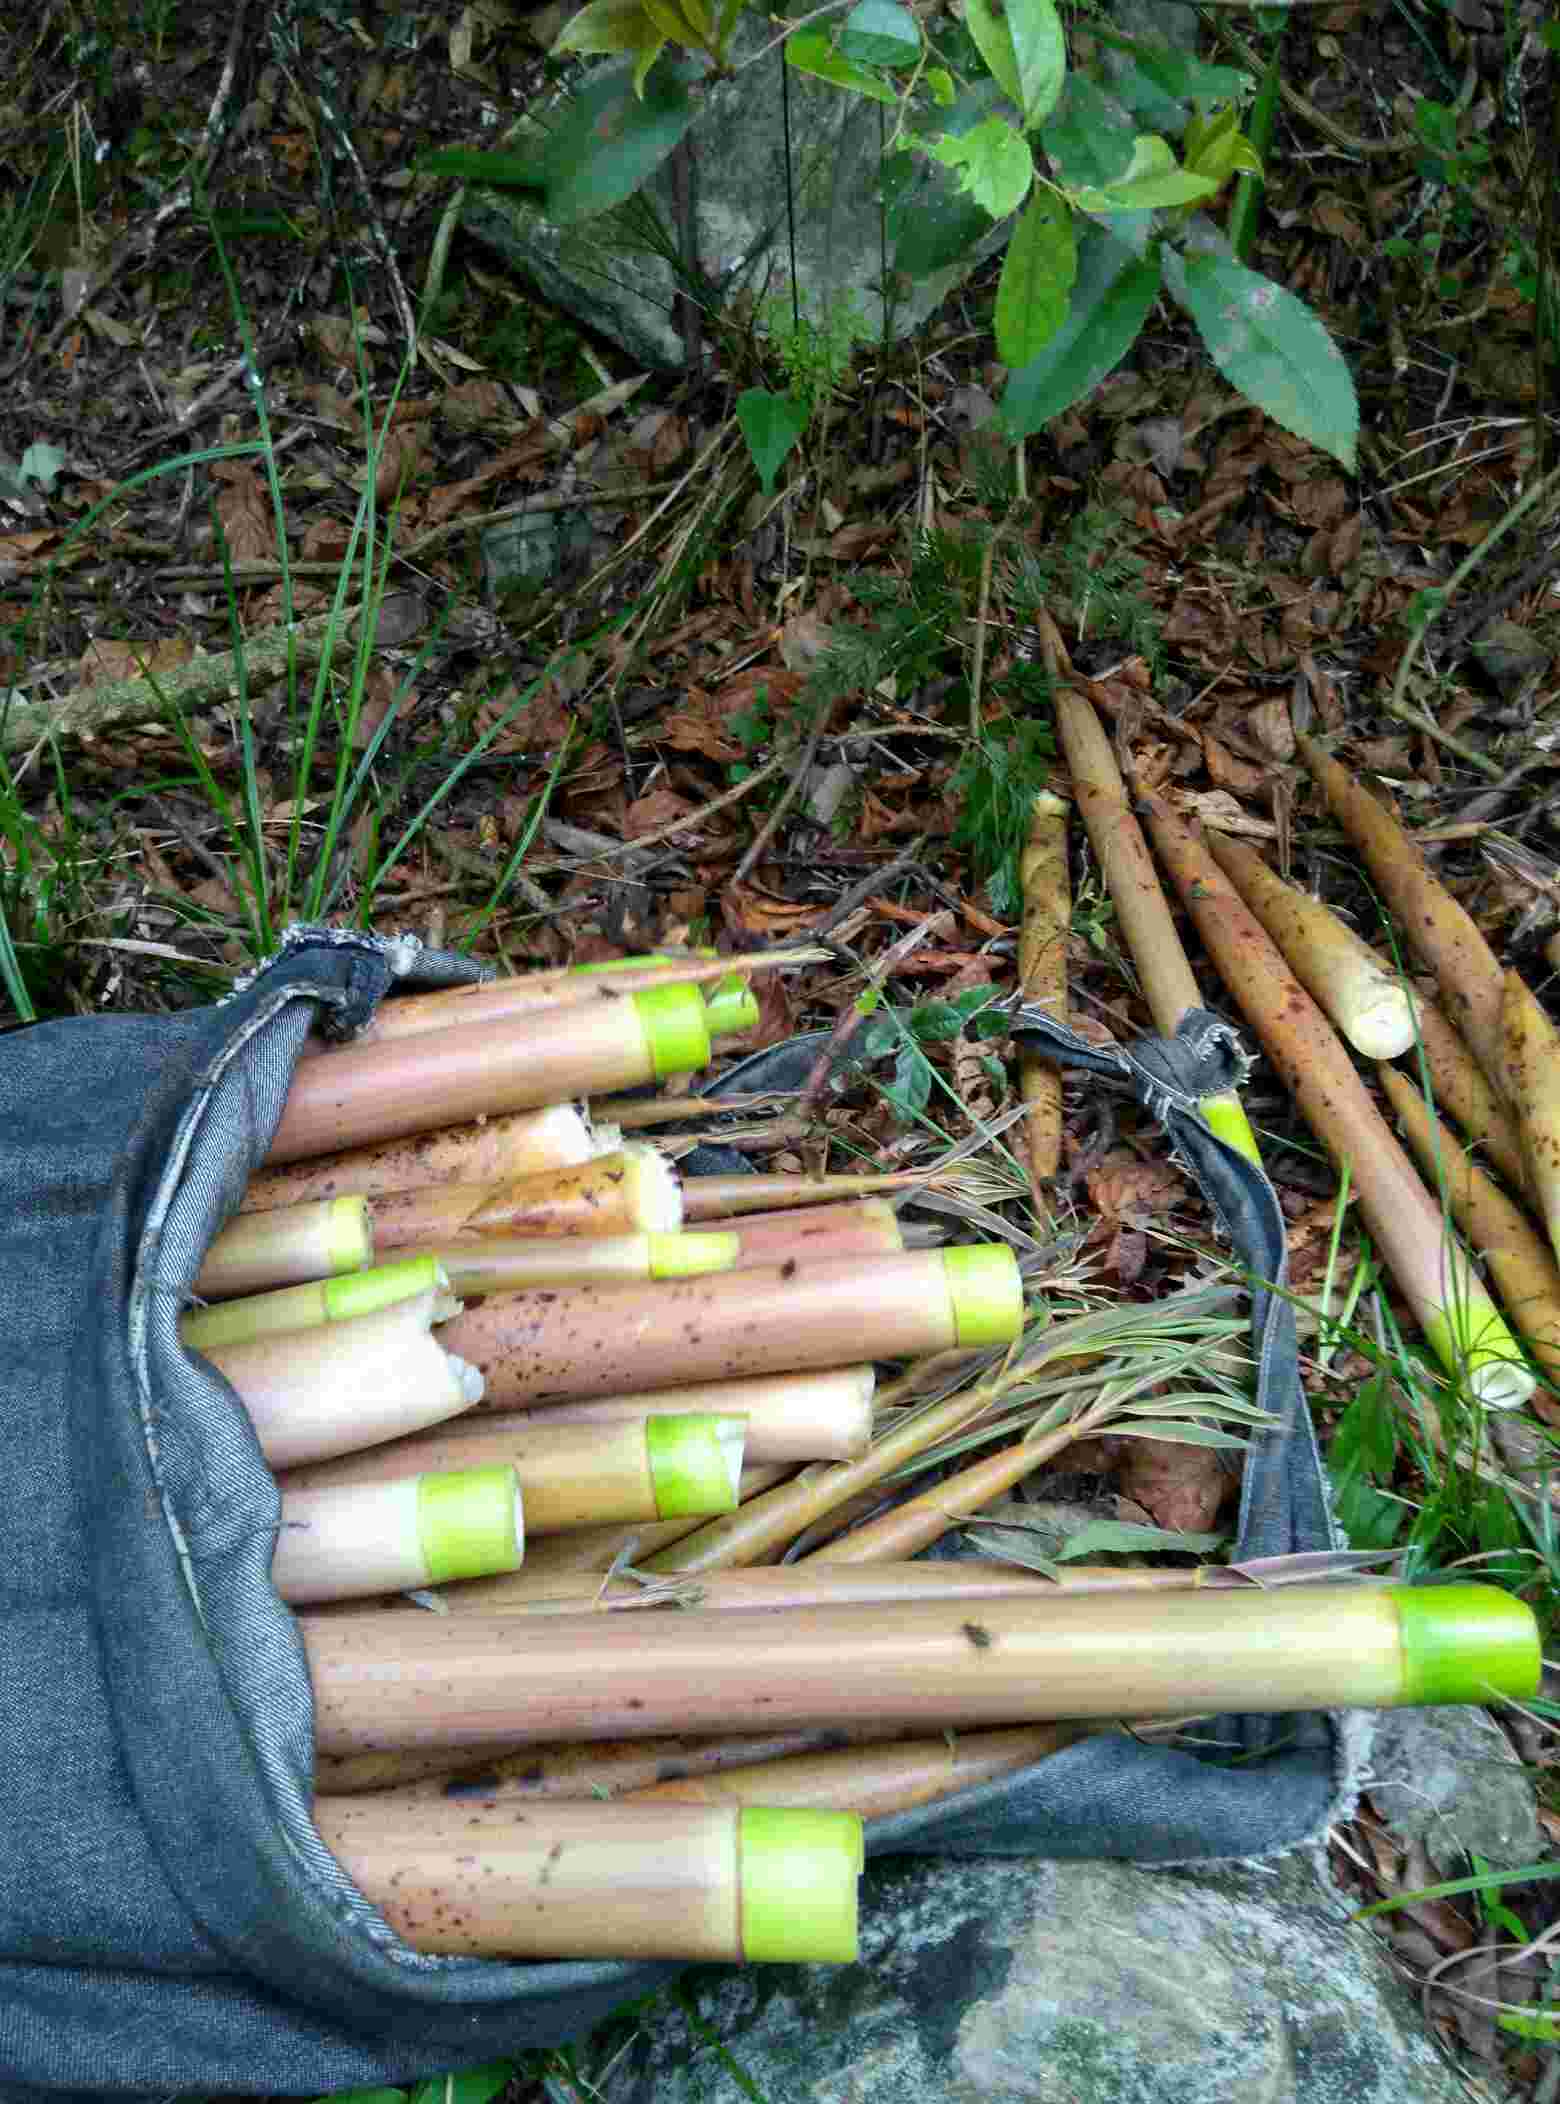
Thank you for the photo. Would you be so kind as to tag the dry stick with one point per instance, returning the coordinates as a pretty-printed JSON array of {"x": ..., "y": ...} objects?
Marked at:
[
  {"x": 387, "y": 1680},
  {"x": 1450, "y": 1305},
  {"x": 1460, "y": 1086},
  {"x": 480, "y": 1778},
  {"x": 492, "y": 1150},
  {"x": 1519, "y": 1260},
  {"x": 811, "y": 1583},
  {"x": 918, "y": 1522},
  {"x": 776, "y": 1318},
  {"x": 649, "y": 1468},
  {"x": 718, "y": 1198},
  {"x": 1042, "y": 978},
  {"x": 1141, "y": 908},
  {"x": 1531, "y": 1047},
  {"x": 1435, "y": 925},
  {"x": 382, "y": 1092},
  {"x": 873, "y": 1782},
  {"x": 631, "y": 1192},
  {"x": 1371, "y": 1006}
]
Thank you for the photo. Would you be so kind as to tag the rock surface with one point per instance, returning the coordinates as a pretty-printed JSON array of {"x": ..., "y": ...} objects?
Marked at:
[
  {"x": 608, "y": 272},
  {"x": 1449, "y": 1778},
  {"x": 1022, "y": 1982}
]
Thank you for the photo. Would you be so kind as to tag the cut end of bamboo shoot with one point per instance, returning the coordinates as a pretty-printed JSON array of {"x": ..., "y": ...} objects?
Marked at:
[
  {"x": 470, "y": 1523},
  {"x": 987, "y": 1294},
  {"x": 1470, "y": 1337},
  {"x": 684, "y": 1256},
  {"x": 695, "y": 1463},
  {"x": 1466, "y": 1643},
  {"x": 798, "y": 1877},
  {"x": 675, "y": 1021},
  {"x": 287, "y": 1247}
]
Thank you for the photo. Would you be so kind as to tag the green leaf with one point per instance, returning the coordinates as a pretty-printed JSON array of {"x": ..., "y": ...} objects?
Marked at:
[
  {"x": 811, "y": 51},
  {"x": 1272, "y": 347},
  {"x": 1153, "y": 178},
  {"x": 992, "y": 162},
  {"x": 1037, "y": 279},
  {"x": 1089, "y": 136},
  {"x": 771, "y": 424},
  {"x": 612, "y": 139},
  {"x": 994, "y": 41},
  {"x": 1184, "y": 78},
  {"x": 940, "y": 81},
  {"x": 473, "y": 2085},
  {"x": 1121, "y": 1537},
  {"x": 614, "y": 26},
  {"x": 1111, "y": 299},
  {"x": 505, "y": 170},
  {"x": 880, "y": 33},
  {"x": 1040, "y": 49},
  {"x": 911, "y": 1088},
  {"x": 929, "y": 221}
]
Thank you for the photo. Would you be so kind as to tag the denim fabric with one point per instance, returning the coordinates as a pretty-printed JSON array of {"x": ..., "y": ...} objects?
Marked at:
[{"x": 169, "y": 1921}]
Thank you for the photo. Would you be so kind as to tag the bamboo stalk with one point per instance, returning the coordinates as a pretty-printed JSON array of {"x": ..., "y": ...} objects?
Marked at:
[
  {"x": 408, "y": 1680},
  {"x": 1519, "y": 1260},
  {"x": 321, "y": 1300},
  {"x": 633, "y": 1191},
  {"x": 520, "y": 1263},
  {"x": 649, "y": 1468},
  {"x": 1141, "y": 909},
  {"x": 873, "y": 1782},
  {"x": 814, "y": 1234},
  {"x": 340, "y": 1543},
  {"x": 380, "y": 1092},
  {"x": 534, "y": 993},
  {"x": 1460, "y": 1086},
  {"x": 260, "y": 1251},
  {"x": 718, "y": 1198},
  {"x": 1457, "y": 1315},
  {"x": 790, "y": 1417},
  {"x": 487, "y": 1782},
  {"x": 1042, "y": 976},
  {"x": 813, "y": 1582},
  {"x": 596, "y": 1340},
  {"x": 349, "y": 1384},
  {"x": 491, "y": 1151},
  {"x": 1436, "y": 926},
  {"x": 1342, "y": 974},
  {"x": 1530, "y": 1048},
  {"x": 606, "y": 1880}
]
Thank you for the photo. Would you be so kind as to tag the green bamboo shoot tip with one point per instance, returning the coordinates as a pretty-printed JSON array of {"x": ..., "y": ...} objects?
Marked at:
[
  {"x": 1227, "y": 1121},
  {"x": 365, "y": 1292},
  {"x": 695, "y": 1462},
  {"x": 986, "y": 1292},
  {"x": 1470, "y": 1337},
  {"x": 470, "y": 1523},
  {"x": 730, "y": 1006},
  {"x": 676, "y": 1026},
  {"x": 319, "y": 1301},
  {"x": 681, "y": 1256},
  {"x": 797, "y": 1879},
  {"x": 1466, "y": 1643}
]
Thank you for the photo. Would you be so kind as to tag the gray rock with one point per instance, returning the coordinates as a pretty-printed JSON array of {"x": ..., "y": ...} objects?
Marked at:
[
  {"x": 1021, "y": 1982},
  {"x": 1449, "y": 1778},
  {"x": 612, "y": 271}
]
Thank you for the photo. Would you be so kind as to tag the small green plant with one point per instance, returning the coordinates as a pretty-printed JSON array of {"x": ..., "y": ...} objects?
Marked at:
[
  {"x": 990, "y": 130},
  {"x": 815, "y": 356},
  {"x": 904, "y": 1035}
]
